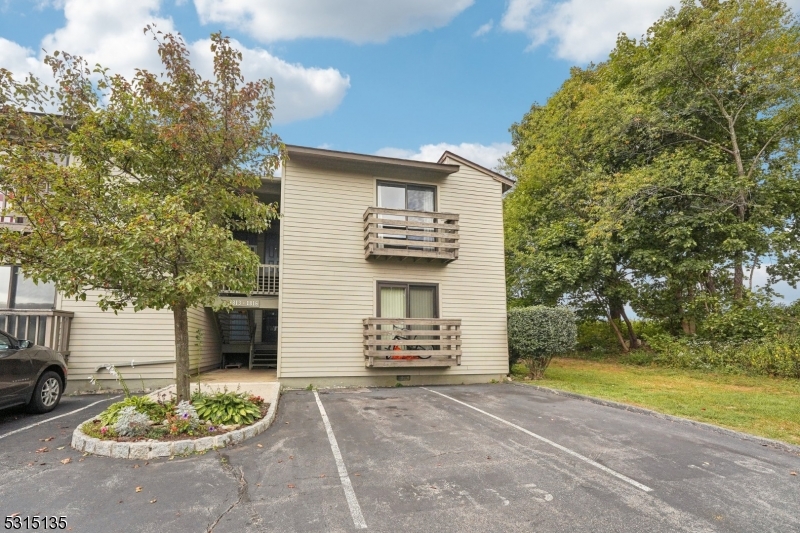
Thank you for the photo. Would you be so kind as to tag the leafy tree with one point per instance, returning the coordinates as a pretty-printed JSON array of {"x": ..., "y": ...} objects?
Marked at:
[
  {"x": 722, "y": 79},
  {"x": 656, "y": 177},
  {"x": 134, "y": 187},
  {"x": 560, "y": 244}
]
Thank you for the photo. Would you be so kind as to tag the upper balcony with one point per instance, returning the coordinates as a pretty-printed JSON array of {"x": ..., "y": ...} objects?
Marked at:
[{"x": 415, "y": 235}]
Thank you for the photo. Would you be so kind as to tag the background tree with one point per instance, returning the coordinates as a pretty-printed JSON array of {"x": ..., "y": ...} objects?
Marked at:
[
  {"x": 723, "y": 79},
  {"x": 658, "y": 177},
  {"x": 162, "y": 169}
]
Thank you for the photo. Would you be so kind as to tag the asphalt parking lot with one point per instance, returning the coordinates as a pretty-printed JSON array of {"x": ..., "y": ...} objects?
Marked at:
[{"x": 450, "y": 459}]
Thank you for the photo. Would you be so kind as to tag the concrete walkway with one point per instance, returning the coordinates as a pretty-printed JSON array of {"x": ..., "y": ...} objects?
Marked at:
[
  {"x": 237, "y": 375},
  {"x": 269, "y": 390}
]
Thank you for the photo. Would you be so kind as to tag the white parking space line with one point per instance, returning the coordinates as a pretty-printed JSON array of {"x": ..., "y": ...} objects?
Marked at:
[
  {"x": 39, "y": 423},
  {"x": 347, "y": 485},
  {"x": 564, "y": 449}
]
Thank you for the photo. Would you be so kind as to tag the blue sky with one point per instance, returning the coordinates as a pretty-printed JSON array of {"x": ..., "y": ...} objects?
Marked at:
[{"x": 406, "y": 78}]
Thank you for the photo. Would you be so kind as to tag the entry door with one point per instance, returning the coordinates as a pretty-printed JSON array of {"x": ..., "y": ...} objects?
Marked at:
[{"x": 272, "y": 244}]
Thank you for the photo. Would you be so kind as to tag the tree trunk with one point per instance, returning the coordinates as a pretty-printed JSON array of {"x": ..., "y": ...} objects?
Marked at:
[
  {"x": 182, "y": 372},
  {"x": 635, "y": 343},
  {"x": 738, "y": 277},
  {"x": 618, "y": 333}
]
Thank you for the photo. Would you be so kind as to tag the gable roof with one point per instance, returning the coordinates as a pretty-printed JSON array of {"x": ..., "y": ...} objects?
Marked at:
[
  {"x": 507, "y": 182},
  {"x": 387, "y": 166},
  {"x": 370, "y": 164}
]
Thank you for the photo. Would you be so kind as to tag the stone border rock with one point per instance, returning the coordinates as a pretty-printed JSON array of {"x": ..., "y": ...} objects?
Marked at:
[{"x": 152, "y": 449}]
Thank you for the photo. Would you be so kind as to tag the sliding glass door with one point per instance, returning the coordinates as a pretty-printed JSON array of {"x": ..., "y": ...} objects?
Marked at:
[
  {"x": 407, "y": 197},
  {"x": 408, "y": 300}
]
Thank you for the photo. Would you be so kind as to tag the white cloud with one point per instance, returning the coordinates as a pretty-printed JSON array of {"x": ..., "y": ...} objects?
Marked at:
[
  {"x": 110, "y": 33},
  {"x": 358, "y": 21},
  {"x": 19, "y": 60},
  {"x": 485, "y": 155},
  {"x": 484, "y": 29},
  {"x": 300, "y": 92},
  {"x": 582, "y": 30},
  {"x": 586, "y": 30}
]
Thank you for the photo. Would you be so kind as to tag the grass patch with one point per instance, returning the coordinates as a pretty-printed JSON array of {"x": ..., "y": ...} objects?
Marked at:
[{"x": 760, "y": 405}]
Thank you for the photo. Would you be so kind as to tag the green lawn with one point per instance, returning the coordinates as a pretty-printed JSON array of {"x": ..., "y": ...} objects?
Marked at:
[{"x": 758, "y": 405}]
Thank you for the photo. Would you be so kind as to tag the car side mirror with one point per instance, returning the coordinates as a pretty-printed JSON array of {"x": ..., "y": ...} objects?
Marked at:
[{"x": 24, "y": 344}]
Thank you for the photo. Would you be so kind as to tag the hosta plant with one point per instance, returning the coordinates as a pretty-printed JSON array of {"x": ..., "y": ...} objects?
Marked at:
[{"x": 226, "y": 408}]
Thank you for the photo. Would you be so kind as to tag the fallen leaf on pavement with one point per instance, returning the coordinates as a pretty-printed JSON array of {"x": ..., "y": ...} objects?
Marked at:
[
  {"x": 793, "y": 473},
  {"x": 66, "y": 461},
  {"x": 290, "y": 485},
  {"x": 13, "y": 515},
  {"x": 48, "y": 439},
  {"x": 291, "y": 457},
  {"x": 60, "y": 447},
  {"x": 138, "y": 489},
  {"x": 136, "y": 466},
  {"x": 153, "y": 501},
  {"x": 260, "y": 445},
  {"x": 359, "y": 475},
  {"x": 322, "y": 475},
  {"x": 42, "y": 450}
]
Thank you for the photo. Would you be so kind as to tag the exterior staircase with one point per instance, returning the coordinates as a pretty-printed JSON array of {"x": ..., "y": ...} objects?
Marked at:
[{"x": 264, "y": 356}]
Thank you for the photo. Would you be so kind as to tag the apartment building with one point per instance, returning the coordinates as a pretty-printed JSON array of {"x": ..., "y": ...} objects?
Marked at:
[{"x": 380, "y": 270}]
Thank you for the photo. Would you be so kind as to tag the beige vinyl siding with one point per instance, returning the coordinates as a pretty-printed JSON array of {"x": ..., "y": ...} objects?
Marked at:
[
  {"x": 328, "y": 287},
  {"x": 205, "y": 351},
  {"x": 98, "y": 338}
]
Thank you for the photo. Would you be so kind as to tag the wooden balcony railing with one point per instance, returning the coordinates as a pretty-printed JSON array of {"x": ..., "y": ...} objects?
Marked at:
[
  {"x": 412, "y": 342},
  {"x": 267, "y": 281},
  {"x": 411, "y": 235},
  {"x": 44, "y": 327}
]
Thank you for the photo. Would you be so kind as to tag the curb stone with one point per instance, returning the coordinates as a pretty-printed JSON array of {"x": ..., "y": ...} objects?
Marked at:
[
  {"x": 154, "y": 449},
  {"x": 763, "y": 441}
]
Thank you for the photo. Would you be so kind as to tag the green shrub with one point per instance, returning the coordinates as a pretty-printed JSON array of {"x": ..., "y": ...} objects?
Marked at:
[
  {"x": 536, "y": 334},
  {"x": 637, "y": 357},
  {"x": 141, "y": 404},
  {"x": 776, "y": 355},
  {"x": 596, "y": 336},
  {"x": 226, "y": 408}
]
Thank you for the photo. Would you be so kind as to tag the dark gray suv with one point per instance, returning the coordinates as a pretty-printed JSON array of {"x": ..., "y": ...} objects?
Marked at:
[{"x": 32, "y": 375}]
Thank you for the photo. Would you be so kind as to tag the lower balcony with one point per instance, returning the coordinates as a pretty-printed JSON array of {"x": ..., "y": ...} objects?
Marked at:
[
  {"x": 44, "y": 327},
  {"x": 412, "y": 342}
]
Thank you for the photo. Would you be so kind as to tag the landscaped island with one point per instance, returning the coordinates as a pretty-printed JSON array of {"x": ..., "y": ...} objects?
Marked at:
[
  {"x": 207, "y": 414},
  {"x": 146, "y": 427}
]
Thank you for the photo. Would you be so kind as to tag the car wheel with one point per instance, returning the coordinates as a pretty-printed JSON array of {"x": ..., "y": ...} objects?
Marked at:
[{"x": 47, "y": 393}]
